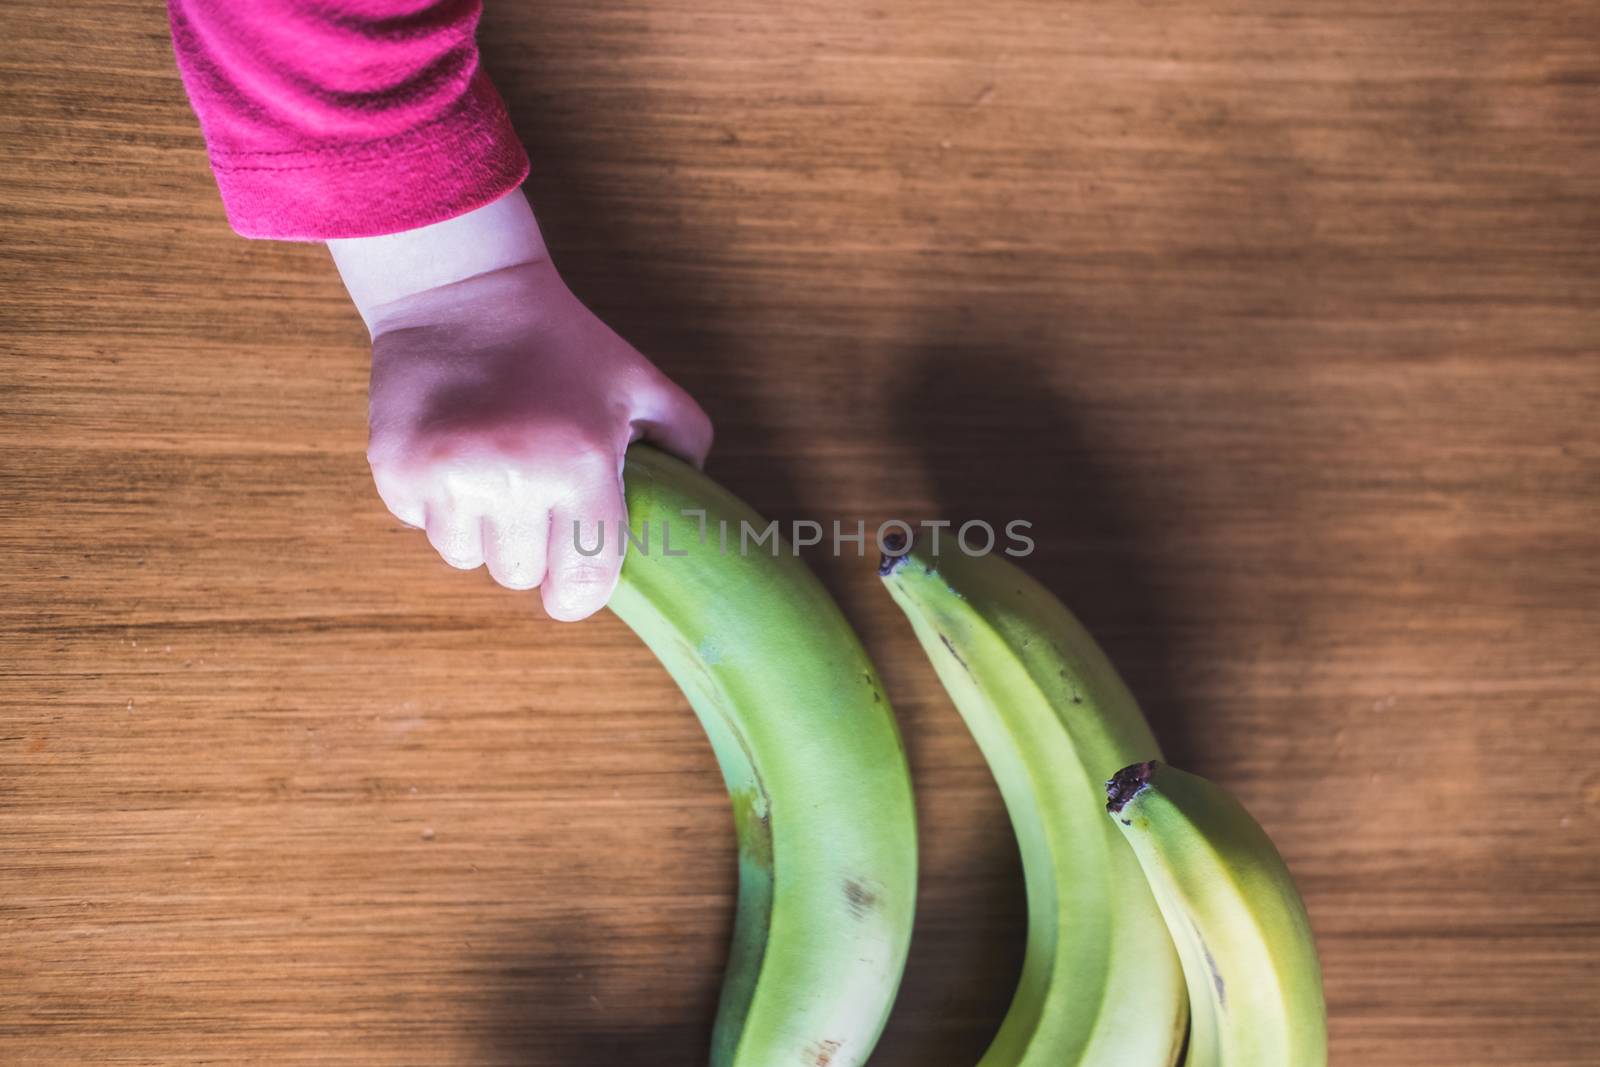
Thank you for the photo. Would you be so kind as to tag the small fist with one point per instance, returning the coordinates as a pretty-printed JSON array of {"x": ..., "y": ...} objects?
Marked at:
[{"x": 501, "y": 409}]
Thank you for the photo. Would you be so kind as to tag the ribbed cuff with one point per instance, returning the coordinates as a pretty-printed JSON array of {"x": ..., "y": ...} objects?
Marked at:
[{"x": 466, "y": 158}]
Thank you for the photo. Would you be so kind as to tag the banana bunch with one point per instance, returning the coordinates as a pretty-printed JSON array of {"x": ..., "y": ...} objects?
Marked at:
[
  {"x": 1255, "y": 988},
  {"x": 1195, "y": 932},
  {"x": 813, "y": 763},
  {"x": 1173, "y": 924},
  {"x": 1101, "y": 985}
]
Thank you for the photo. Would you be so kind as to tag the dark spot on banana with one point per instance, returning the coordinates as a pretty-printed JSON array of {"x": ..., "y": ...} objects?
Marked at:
[
  {"x": 752, "y": 822},
  {"x": 953, "y": 652},
  {"x": 821, "y": 1054},
  {"x": 861, "y": 899},
  {"x": 1211, "y": 965}
]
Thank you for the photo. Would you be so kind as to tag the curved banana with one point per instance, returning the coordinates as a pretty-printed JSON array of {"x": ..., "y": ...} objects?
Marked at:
[
  {"x": 1255, "y": 987},
  {"x": 1101, "y": 984},
  {"x": 813, "y": 763}
]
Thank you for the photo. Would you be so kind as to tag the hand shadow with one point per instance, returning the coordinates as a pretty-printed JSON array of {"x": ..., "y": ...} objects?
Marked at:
[
  {"x": 552, "y": 989},
  {"x": 637, "y": 278},
  {"x": 998, "y": 443}
]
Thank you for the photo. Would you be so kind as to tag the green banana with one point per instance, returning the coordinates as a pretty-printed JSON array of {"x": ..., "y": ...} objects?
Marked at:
[
  {"x": 1255, "y": 987},
  {"x": 813, "y": 762},
  {"x": 1101, "y": 984}
]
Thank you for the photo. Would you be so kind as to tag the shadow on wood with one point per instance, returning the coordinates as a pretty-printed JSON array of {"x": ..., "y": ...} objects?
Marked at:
[{"x": 1036, "y": 465}]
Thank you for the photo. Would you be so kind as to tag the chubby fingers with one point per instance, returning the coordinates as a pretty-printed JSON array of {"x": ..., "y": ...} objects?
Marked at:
[
  {"x": 554, "y": 525},
  {"x": 515, "y": 545},
  {"x": 456, "y": 533},
  {"x": 585, "y": 557}
]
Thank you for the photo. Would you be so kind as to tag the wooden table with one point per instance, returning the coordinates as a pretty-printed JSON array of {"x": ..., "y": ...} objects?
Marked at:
[{"x": 1278, "y": 319}]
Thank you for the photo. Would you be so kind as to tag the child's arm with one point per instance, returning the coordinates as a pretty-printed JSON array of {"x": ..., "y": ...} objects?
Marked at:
[
  {"x": 501, "y": 407},
  {"x": 344, "y": 119}
]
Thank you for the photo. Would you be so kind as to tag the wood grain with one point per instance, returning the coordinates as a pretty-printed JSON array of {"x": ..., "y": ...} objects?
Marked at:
[{"x": 1278, "y": 319}]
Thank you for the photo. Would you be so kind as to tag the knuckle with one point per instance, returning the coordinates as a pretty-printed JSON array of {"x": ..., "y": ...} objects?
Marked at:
[
  {"x": 590, "y": 460},
  {"x": 571, "y": 601},
  {"x": 586, "y": 578},
  {"x": 516, "y": 535}
]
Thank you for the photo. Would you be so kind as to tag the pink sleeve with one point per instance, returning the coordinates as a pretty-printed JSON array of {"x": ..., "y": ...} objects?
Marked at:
[{"x": 350, "y": 119}]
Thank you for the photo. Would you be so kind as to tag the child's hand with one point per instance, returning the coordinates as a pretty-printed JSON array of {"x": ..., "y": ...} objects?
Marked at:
[{"x": 501, "y": 407}]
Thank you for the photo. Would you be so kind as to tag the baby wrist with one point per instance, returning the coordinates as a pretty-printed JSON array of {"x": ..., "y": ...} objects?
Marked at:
[{"x": 380, "y": 271}]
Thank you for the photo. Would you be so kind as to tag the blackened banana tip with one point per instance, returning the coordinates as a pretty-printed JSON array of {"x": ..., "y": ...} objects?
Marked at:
[
  {"x": 896, "y": 548},
  {"x": 1127, "y": 784}
]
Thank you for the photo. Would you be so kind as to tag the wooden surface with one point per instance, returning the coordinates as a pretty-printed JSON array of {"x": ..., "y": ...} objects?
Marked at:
[{"x": 1278, "y": 319}]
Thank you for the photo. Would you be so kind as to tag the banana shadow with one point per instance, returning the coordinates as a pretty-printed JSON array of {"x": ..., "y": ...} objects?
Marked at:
[
  {"x": 998, "y": 443},
  {"x": 548, "y": 989}
]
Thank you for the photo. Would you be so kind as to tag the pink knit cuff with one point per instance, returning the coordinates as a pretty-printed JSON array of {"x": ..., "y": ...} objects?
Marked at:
[{"x": 465, "y": 158}]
